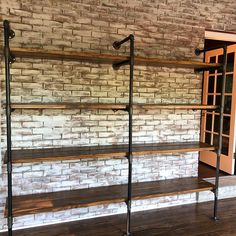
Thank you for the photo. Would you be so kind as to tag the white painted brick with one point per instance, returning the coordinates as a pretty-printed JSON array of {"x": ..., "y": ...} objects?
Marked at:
[{"x": 55, "y": 81}]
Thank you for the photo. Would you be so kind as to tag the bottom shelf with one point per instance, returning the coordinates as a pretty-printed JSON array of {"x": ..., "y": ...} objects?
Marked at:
[
  {"x": 188, "y": 220},
  {"x": 46, "y": 202}
]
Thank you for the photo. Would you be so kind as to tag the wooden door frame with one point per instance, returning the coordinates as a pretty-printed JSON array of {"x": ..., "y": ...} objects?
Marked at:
[
  {"x": 220, "y": 35},
  {"x": 227, "y": 162}
]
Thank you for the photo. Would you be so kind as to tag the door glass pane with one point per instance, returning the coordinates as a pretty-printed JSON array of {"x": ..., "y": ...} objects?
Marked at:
[
  {"x": 208, "y": 138},
  {"x": 230, "y": 62},
  {"x": 211, "y": 83},
  {"x": 219, "y": 84},
  {"x": 210, "y": 100},
  {"x": 216, "y": 123},
  {"x": 209, "y": 122},
  {"x": 225, "y": 146},
  {"x": 228, "y": 100},
  {"x": 218, "y": 100},
  {"x": 220, "y": 60},
  {"x": 229, "y": 83},
  {"x": 226, "y": 125},
  {"x": 212, "y": 60},
  {"x": 215, "y": 140}
]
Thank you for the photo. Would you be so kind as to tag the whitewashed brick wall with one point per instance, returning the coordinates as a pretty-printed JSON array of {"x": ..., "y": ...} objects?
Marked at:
[{"x": 165, "y": 29}]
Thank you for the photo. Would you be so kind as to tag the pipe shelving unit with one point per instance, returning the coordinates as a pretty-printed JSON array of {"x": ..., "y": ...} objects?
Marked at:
[{"x": 117, "y": 63}]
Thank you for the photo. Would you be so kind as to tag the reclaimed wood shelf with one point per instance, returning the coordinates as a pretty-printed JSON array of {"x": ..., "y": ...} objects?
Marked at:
[
  {"x": 175, "y": 106},
  {"x": 106, "y": 151},
  {"x": 67, "y": 105},
  {"x": 109, "y": 106},
  {"x": 185, "y": 220},
  {"x": 57, "y": 201},
  {"x": 106, "y": 58}
]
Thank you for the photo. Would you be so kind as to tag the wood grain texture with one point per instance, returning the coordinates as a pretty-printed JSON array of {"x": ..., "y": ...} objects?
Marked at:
[
  {"x": 106, "y": 151},
  {"x": 47, "y": 202},
  {"x": 68, "y": 106},
  {"x": 109, "y": 106},
  {"x": 187, "y": 220},
  {"x": 105, "y": 58}
]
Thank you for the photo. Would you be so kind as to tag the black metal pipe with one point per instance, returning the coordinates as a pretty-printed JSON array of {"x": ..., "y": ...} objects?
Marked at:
[
  {"x": 116, "y": 66},
  {"x": 198, "y": 51},
  {"x": 8, "y": 33},
  {"x": 117, "y": 44},
  {"x": 219, "y": 150},
  {"x": 130, "y": 153}
]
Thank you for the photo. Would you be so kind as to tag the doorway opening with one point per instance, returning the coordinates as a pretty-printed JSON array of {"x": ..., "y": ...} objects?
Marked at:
[{"x": 212, "y": 84}]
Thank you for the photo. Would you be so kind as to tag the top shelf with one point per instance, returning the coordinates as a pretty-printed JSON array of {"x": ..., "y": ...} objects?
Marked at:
[
  {"x": 108, "y": 106},
  {"x": 106, "y": 58}
]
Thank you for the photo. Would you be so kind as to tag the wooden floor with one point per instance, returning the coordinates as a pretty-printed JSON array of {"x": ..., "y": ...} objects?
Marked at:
[
  {"x": 206, "y": 171},
  {"x": 188, "y": 220}
]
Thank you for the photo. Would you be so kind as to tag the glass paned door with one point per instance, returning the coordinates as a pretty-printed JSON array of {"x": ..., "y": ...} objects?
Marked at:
[{"x": 210, "y": 119}]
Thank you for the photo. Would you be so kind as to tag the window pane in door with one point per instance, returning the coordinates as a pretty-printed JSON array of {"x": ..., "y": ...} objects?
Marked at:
[
  {"x": 219, "y": 84},
  {"x": 212, "y": 60},
  {"x": 230, "y": 62},
  {"x": 225, "y": 146},
  {"x": 210, "y": 100},
  {"x": 220, "y": 60},
  {"x": 226, "y": 125},
  {"x": 218, "y": 100},
  {"x": 216, "y": 123},
  {"x": 209, "y": 122},
  {"x": 211, "y": 84},
  {"x": 228, "y": 101},
  {"x": 215, "y": 140},
  {"x": 208, "y": 138},
  {"x": 229, "y": 83}
]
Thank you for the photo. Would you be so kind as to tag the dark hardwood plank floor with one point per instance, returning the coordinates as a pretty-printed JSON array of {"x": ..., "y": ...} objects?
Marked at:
[
  {"x": 206, "y": 171},
  {"x": 187, "y": 220}
]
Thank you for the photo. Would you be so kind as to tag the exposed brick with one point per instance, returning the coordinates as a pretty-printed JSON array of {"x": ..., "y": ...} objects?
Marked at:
[{"x": 165, "y": 29}]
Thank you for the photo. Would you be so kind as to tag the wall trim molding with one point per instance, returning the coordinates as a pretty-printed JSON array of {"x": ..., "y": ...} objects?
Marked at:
[{"x": 222, "y": 36}]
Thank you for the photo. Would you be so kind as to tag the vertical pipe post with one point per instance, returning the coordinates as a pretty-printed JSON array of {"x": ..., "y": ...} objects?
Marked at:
[
  {"x": 7, "y": 35},
  {"x": 117, "y": 45},
  {"x": 130, "y": 151},
  {"x": 219, "y": 150}
]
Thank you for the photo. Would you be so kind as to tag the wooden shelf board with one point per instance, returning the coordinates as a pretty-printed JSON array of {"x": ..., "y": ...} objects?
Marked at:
[
  {"x": 175, "y": 106},
  {"x": 108, "y": 106},
  {"x": 67, "y": 105},
  {"x": 105, "y": 58},
  {"x": 106, "y": 151},
  {"x": 47, "y": 202}
]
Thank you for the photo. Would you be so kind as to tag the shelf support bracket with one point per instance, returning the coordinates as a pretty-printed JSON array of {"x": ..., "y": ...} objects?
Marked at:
[
  {"x": 117, "y": 65},
  {"x": 198, "y": 70}
]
